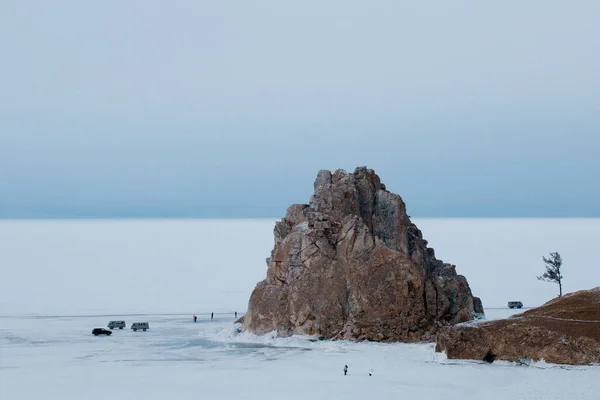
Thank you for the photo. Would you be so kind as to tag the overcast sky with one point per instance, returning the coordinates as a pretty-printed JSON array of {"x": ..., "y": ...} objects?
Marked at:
[{"x": 230, "y": 108}]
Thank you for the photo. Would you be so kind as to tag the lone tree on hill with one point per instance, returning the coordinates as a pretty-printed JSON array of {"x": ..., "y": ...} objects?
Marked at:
[{"x": 552, "y": 273}]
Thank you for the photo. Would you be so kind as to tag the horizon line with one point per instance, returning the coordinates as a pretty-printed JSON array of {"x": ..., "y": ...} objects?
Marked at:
[{"x": 153, "y": 218}]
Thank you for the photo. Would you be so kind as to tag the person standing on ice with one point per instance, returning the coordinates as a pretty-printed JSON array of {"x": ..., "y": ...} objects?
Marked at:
[
  {"x": 211, "y": 315},
  {"x": 195, "y": 318},
  {"x": 235, "y": 312},
  {"x": 345, "y": 369}
]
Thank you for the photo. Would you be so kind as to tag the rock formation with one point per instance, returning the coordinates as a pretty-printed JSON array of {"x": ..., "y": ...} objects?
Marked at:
[
  {"x": 351, "y": 265},
  {"x": 565, "y": 330}
]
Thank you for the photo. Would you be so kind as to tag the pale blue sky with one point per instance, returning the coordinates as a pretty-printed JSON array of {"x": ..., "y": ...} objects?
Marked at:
[{"x": 230, "y": 108}]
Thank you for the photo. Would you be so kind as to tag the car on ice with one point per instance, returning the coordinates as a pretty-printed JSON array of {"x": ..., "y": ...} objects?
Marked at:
[
  {"x": 116, "y": 324},
  {"x": 513, "y": 304},
  {"x": 101, "y": 331},
  {"x": 140, "y": 325}
]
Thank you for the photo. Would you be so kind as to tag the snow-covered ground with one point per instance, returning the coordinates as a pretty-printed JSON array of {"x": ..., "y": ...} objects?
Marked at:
[
  {"x": 58, "y": 357},
  {"x": 61, "y": 279}
]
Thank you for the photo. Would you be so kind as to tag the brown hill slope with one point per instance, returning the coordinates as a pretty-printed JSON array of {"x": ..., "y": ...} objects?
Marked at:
[{"x": 565, "y": 330}]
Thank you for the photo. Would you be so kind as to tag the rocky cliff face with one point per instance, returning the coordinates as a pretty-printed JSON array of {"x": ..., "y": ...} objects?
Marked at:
[
  {"x": 565, "y": 331},
  {"x": 351, "y": 265}
]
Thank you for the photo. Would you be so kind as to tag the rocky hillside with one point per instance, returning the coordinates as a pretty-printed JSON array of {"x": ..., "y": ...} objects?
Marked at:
[
  {"x": 565, "y": 330},
  {"x": 351, "y": 265}
]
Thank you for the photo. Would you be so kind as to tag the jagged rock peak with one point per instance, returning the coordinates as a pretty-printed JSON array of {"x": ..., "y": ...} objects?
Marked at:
[{"x": 350, "y": 264}]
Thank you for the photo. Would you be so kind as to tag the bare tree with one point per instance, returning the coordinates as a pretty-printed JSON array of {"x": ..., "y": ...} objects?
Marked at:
[{"x": 552, "y": 273}]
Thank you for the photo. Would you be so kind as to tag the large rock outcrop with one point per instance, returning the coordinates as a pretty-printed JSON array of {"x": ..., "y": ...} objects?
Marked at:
[
  {"x": 351, "y": 265},
  {"x": 565, "y": 330}
]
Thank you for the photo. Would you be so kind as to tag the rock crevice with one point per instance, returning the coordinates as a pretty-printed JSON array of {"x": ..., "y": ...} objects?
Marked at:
[{"x": 352, "y": 265}]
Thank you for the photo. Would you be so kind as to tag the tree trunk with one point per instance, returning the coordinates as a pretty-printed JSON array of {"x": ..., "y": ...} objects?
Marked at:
[{"x": 559, "y": 289}]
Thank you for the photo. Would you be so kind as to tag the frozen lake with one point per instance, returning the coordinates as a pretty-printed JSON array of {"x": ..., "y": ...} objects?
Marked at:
[
  {"x": 176, "y": 358},
  {"x": 61, "y": 279},
  {"x": 76, "y": 267}
]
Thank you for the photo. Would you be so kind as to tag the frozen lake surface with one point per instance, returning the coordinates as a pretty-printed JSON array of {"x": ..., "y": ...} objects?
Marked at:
[
  {"x": 73, "y": 267},
  {"x": 176, "y": 358},
  {"x": 61, "y": 279}
]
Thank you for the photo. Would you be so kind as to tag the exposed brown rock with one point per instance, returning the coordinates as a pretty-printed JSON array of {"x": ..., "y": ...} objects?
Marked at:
[
  {"x": 478, "y": 306},
  {"x": 351, "y": 265},
  {"x": 565, "y": 330}
]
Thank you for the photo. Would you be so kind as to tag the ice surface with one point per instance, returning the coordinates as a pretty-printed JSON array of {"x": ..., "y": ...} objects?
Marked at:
[
  {"x": 131, "y": 266},
  {"x": 58, "y": 357},
  {"x": 192, "y": 266}
]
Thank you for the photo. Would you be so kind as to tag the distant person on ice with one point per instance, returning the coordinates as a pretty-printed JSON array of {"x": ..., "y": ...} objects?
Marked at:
[
  {"x": 195, "y": 318},
  {"x": 345, "y": 369},
  {"x": 235, "y": 312},
  {"x": 211, "y": 315}
]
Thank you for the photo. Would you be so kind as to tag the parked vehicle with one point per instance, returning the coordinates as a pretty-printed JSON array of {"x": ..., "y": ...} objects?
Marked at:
[
  {"x": 116, "y": 324},
  {"x": 513, "y": 304},
  {"x": 101, "y": 331},
  {"x": 140, "y": 325}
]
